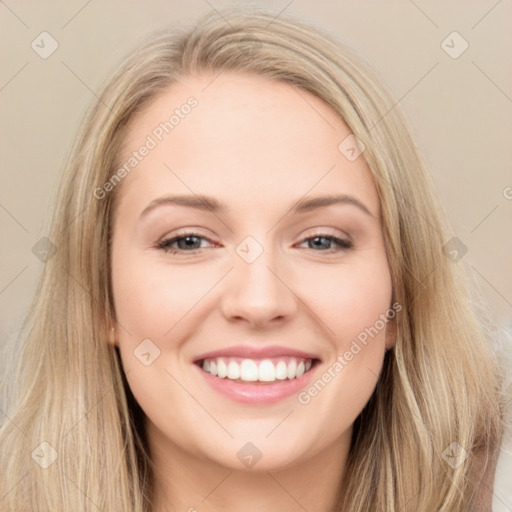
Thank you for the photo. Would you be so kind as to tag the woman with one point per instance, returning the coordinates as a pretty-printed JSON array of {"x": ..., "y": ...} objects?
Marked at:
[{"x": 250, "y": 307}]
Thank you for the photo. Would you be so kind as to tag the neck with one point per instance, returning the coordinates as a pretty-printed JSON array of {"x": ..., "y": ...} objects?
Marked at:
[{"x": 184, "y": 482}]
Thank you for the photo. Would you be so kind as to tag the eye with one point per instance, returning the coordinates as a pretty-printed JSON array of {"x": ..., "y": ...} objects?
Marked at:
[
  {"x": 187, "y": 242},
  {"x": 326, "y": 243},
  {"x": 191, "y": 242}
]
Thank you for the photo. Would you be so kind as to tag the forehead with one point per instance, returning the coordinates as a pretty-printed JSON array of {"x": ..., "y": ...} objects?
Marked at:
[{"x": 247, "y": 140}]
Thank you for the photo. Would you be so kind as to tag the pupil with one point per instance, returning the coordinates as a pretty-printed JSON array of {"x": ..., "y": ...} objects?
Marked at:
[
  {"x": 317, "y": 242},
  {"x": 188, "y": 241}
]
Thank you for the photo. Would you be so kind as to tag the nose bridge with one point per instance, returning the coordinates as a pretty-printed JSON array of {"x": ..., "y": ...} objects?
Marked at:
[{"x": 255, "y": 290}]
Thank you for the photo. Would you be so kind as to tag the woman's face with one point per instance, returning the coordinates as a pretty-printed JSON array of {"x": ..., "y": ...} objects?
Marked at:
[{"x": 250, "y": 276}]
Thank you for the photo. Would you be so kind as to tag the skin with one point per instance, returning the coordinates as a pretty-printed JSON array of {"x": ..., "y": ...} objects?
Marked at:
[{"x": 258, "y": 147}]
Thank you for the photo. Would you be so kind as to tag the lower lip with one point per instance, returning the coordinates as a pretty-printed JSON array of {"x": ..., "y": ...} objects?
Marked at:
[{"x": 257, "y": 393}]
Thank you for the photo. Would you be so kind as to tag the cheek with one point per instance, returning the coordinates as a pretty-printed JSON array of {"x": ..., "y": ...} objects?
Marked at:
[
  {"x": 151, "y": 303},
  {"x": 151, "y": 298},
  {"x": 351, "y": 303},
  {"x": 350, "y": 299}
]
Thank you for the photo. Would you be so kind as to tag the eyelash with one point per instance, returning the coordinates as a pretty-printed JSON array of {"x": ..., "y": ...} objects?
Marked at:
[{"x": 165, "y": 245}]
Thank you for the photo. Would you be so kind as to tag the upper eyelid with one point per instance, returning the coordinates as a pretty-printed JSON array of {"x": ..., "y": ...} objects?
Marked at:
[
  {"x": 184, "y": 232},
  {"x": 178, "y": 236},
  {"x": 199, "y": 235}
]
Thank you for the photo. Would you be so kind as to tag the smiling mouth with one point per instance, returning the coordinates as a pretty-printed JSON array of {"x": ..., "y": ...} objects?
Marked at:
[{"x": 265, "y": 371}]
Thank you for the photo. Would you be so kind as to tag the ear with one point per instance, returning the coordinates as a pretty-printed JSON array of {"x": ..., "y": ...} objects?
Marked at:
[
  {"x": 112, "y": 337},
  {"x": 391, "y": 331}
]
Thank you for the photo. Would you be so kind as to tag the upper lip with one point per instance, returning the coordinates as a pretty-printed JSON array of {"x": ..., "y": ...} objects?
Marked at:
[{"x": 248, "y": 352}]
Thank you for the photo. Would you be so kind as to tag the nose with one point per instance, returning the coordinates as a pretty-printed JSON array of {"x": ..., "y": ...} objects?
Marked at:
[{"x": 258, "y": 293}]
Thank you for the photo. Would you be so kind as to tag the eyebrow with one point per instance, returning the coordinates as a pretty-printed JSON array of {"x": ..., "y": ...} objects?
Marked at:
[
  {"x": 318, "y": 202},
  {"x": 210, "y": 204}
]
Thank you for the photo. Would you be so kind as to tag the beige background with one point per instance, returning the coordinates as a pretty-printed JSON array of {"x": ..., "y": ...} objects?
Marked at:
[{"x": 460, "y": 110}]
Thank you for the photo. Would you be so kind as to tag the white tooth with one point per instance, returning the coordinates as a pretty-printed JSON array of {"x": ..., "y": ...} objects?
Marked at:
[
  {"x": 233, "y": 370},
  {"x": 292, "y": 369},
  {"x": 213, "y": 368},
  {"x": 266, "y": 371},
  {"x": 308, "y": 364},
  {"x": 222, "y": 369},
  {"x": 248, "y": 370},
  {"x": 206, "y": 366},
  {"x": 281, "y": 370},
  {"x": 300, "y": 369}
]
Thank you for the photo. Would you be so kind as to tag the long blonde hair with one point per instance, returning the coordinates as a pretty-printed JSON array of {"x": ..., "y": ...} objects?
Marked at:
[{"x": 439, "y": 388}]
